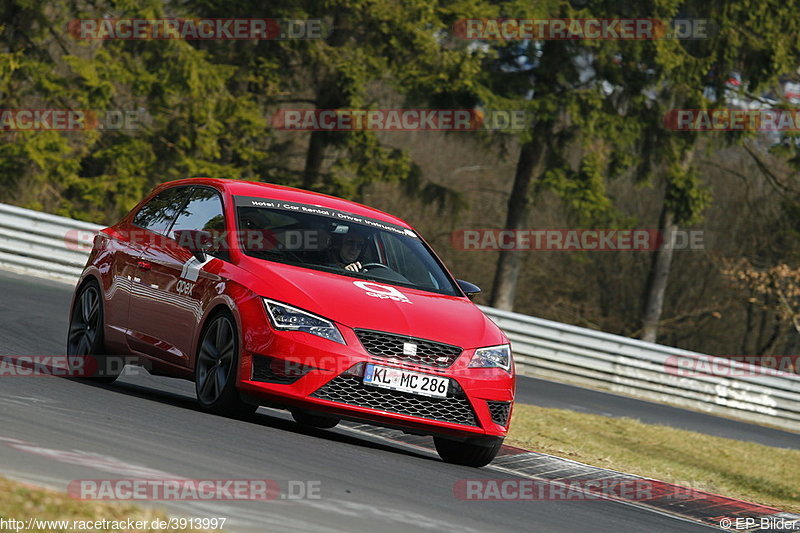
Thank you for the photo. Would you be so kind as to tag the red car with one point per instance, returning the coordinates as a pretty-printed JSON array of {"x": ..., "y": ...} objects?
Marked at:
[{"x": 267, "y": 295}]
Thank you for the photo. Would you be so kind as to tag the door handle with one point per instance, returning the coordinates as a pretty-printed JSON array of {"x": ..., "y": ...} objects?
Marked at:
[{"x": 144, "y": 265}]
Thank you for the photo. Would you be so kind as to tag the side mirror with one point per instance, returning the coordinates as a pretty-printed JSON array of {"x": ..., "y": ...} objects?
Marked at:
[
  {"x": 470, "y": 289},
  {"x": 196, "y": 241}
]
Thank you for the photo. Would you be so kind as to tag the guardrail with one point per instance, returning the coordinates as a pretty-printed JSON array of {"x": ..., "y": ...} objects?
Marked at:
[
  {"x": 44, "y": 244},
  {"x": 561, "y": 352},
  {"x": 41, "y": 243}
]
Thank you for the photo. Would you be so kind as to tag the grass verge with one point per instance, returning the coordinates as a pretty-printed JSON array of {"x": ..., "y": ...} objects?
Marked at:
[
  {"x": 743, "y": 470},
  {"x": 22, "y": 502}
]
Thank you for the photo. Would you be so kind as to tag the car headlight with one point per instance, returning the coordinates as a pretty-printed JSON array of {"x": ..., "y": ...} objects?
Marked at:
[
  {"x": 286, "y": 317},
  {"x": 492, "y": 357}
]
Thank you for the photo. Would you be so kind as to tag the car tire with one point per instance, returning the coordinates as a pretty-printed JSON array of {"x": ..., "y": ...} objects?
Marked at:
[
  {"x": 85, "y": 337},
  {"x": 216, "y": 366},
  {"x": 467, "y": 453},
  {"x": 304, "y": 418}
]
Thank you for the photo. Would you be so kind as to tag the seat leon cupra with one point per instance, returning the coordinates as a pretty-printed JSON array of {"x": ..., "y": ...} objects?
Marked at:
[{"x": 273, "y": 296}]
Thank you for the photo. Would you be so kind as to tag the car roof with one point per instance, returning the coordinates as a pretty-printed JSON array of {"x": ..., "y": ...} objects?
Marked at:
[{"x": 289, "y": 194}]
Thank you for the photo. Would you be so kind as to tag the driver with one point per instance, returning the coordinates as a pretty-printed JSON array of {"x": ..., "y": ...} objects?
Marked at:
[{"x": 349, "y": 251}]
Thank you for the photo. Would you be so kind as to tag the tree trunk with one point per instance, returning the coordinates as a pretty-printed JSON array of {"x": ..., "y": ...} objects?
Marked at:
[
  {"x": 509, "y": 263},
  {"x": 314, "y": 157},
  {"x": 326, "y": 97},
  {"x": 658, "y": 276}
]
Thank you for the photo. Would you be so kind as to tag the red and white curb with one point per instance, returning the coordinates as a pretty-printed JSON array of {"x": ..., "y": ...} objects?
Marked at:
[{"x": 669, "y": 498}]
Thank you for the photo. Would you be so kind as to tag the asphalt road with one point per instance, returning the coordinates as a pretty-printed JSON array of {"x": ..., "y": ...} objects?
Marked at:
[{"x": 55, "y": 430}]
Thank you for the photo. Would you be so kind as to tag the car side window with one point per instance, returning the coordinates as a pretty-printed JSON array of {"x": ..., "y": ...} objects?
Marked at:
[
  {"x": 157, "y": 214},
  {"x": 204, "y": 212}
]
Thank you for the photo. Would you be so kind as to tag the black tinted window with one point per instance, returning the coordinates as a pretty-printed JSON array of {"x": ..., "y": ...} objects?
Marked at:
[
  {"x": 202, "y": 212},
  {"x": 157, "y": 214}
]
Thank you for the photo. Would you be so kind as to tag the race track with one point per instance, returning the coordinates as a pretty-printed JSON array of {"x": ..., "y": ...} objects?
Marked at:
[{"x": 55, "y": 430}]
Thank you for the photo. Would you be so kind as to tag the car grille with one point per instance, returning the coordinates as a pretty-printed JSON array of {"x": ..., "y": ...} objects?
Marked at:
[
  {"x": 390, "y": 345},
  {"x": 500, "y": 411},
  {"x": 271, "y": 370},
  {"x": 350, "y": 390}
]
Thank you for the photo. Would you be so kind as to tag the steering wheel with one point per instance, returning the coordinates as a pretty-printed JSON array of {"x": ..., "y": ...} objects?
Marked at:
[{"x": 381, "y": 265}]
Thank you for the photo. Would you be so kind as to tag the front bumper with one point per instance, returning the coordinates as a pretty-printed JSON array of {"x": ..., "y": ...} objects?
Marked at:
[{"x": 298, "y": 370}]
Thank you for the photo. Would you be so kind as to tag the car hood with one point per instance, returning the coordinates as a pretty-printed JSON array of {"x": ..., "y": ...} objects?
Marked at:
[{"x": 378, "y": 306}]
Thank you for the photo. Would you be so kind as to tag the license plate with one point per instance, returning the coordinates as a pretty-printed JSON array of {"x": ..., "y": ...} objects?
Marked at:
[{"x": 406, "y": 381}]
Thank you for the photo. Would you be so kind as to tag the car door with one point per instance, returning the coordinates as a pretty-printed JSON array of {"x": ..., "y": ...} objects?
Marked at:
[
  {"x": 151, "y": 222},
  {"x": 177, "y": 283},
  {"x": 123, "y": 248}
]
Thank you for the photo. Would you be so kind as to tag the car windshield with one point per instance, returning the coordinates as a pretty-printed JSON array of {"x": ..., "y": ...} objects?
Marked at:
[{"x": 338, "y": 242}]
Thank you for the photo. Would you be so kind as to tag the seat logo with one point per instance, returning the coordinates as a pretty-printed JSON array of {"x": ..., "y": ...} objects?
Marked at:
[{"x": 409, "y": 348}]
